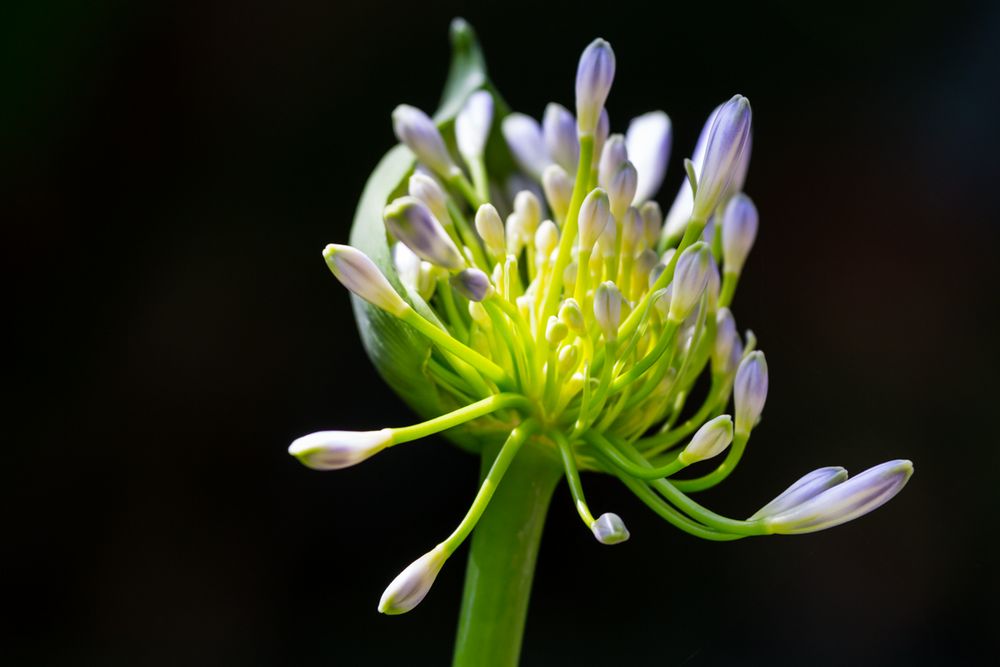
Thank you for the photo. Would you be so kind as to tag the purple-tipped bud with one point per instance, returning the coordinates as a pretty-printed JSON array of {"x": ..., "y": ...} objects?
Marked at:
[
  {"x": 358, "y": 273},
  {"x": 473, "y": 284},
  {"x": 561, "y": 142},
  {"x": 595, "y": 214},
  {"x": 412, "y": 584},
  {"x": 603, "y": 130},
  {"x": 427, "y": 190},
  {"x": 739, "y": 230},
  {"x": 750, "y": 391},
  {"x": 680, "y": 210},
  {"x": 723, "y": 153},
  {"x": 648, "y": 142},
  {"x": 558, "y": 190},
  {"x": 726, "y": 340},
  {"x": 416, "y": 129},
  {"x": 613, "y": 156},
  {"x": 333, "y": 450},
  {"x": 846, "y": 501},
  {"x": 490, "y": 228},
  {"x": 804, "y": 489},
  {"x": 524, "y": 138},
  {"x": 610, "y": 529},
  {"x": 608, "y": 309},
  {"x": 710, "y": 440},
  {"x": 594, "y": 76},
  {"x": 690, "y": 279},
  {"x": 413, "y": 223},
  {"x": 621, "y": 189},
  {"x": 472, "y": 125}
]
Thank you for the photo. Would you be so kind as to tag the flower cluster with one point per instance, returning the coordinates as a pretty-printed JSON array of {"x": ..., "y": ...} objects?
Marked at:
[{"x": 568, "y": 314}]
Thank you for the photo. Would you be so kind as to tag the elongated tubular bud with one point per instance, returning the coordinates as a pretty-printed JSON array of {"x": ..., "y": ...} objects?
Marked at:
[
  {"x": 750, "y": 391},
  {"x": 558, "y": 190},
  {"x": 845, "y": 501},
  {"x": 610, "y": 529},
  {"x": 648, "y": 141},
  {"x": 546, "y": 240},
  {"x": 559, "y": 131},
  {"x": 608, "y": 309},
  {"x": 595, "y": 213},
  {"x": 529, "y": 209},
  {"x": 490, "y": 228},
  {"x": 621, "y": 189},
  {"x": 413, "y": 223},
  {"x": 524, "y": 138},
  {"x": 517, "y": 236},
  {"x": 411, "y": 585},
  {"x": 652, "y": 220},
  {"x": 680, "y": 211},
  {"x": 739, "y": 230},
  {"x": 613, "y": 156},
  {"x": 644, "y": 263},
  {"x": 427, "y": 190},
  {"x": 710, "y": 440},
  {"x": 723, "y": 153},
  {"x": 333, "y": 450},
  {"x": 416, "y": 129},
  {"x": 472, "y": 125},
  {"x": 690, "y": 279},
  {"x": 594, "y": 76},
  {"x": 602, "y": 132},
  {"x": 473, "y": 284},
  {"x": 726, "y": 338},
  {"x": 358, "y": 273},
  {"x": 633, "y": 230},
  {"x": 806, "y": 487}
]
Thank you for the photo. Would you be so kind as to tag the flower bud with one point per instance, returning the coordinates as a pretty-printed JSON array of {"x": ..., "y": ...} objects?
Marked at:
[
  {"x": 473, "y": 284},
  {"x": 739, "y": 229},
  {"x": 723, "y": 153},
  {"x": 558, "y": 190},
  {"x": 595, "y": 214},
  {"x": 524, "y": 138},
  {"x": 413, "y": 272},
  {"x": 610, "y": 529},
  {"x": 644, "y": 263},
  {"x": 427, "y": 190},
  {"x": 416, "y": 129},
  {"x": 517, "y": 236},
  {"x": 621, "y": 189},
  {"x": 726, "y": 339},
  {"x": 680, "y": 210},
  {"x": 710, "y": 440},
  {"x": 472, "y": 125},
  {"x": 529, "y": 209},
  {"x": 601, "y": 134},
  {"x": 546, "y": 240},
  {"x": 569, "y": 276},
  {"x": 613, "y": 156},
  {"x": 569, "y": 357},
  {"x": 332, "y": 450},
  {"x": 652, "y": 220},
  {"x": 606, "y": 241},
  {"x": 750, "y": 391},
  {"x": 490, "y": 228},
  {"x": 412, "y": 584},
  {"x": 608, "y": 309},
  {"x": 358, "y": 273},
  {"x": 845, "y": 501},
  {"x": 594, "y": 75},
  {"x": 633, "y": 230},
  {"x": 690, "y": 278},
  {"x": 561, "y": 142},
  {"x": 805, "y": 488},
  {"x": 413, "y": 223},
  {"x": 648, "y": 142},
  {"x": 555, "y": 331},
  {"x": 570, "y": 313}
]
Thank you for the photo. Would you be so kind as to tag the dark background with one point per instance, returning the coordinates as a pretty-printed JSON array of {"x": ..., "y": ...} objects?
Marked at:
[{"x": 173, "y": 171}]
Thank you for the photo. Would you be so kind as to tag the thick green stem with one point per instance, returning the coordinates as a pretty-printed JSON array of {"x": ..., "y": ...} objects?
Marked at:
[{"x": 502, "y": 561}]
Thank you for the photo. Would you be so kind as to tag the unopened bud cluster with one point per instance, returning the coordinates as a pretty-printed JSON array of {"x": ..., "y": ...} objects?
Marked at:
[{"x": 569, "y": 311}]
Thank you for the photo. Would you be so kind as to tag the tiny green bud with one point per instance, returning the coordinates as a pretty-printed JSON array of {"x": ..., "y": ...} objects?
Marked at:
[
  {"x": 555, "y": 331},
  {"x": 569, "y": 357},
  {"x": 570, "y": 313}
]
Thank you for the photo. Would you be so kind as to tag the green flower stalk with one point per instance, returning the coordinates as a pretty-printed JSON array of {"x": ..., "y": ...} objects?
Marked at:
[{"x": 515, "y": 283}]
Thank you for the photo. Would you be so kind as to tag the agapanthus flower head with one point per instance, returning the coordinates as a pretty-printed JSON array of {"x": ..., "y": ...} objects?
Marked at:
[{"x": 535, "y": 298}]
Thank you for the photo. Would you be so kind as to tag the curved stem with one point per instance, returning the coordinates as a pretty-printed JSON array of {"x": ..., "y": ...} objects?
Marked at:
[{"x": 502, "y": 561}]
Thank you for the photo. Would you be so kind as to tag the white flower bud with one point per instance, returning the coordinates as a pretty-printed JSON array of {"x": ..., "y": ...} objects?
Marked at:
[
  {"x": 561, "y": 142},
  {"x": 595, "y": 214},
  {"x": 621, "y": 189},
  {"x": 524, "y": 138},
  {"x": 726, "y": 339},
  {"x": 413, "y": 223},
  {"x": 570, "y": 313},
  {"x": 332, "y": 450},
  {"x": 490, "y": 228},
  {"x": 358, "y": 273},
  {"x": 473, "y": 284},
  {"x": 472, "y": 125},
  {"x": 802, "y": 490},
  {"x": 648, "y": 142},
  {"x": 412, "y": 584},
  {"x": 546, "y": 240},
  {"x": 416, "y": 129},
  {"x": 529, "y": 209},
  {"x": 517, "y": 236},
  {"x": 606, "y": 241},
  {"x": 845, "y": 501},
  {"x": 690, "y": 279},
  {"x": 710, "y": 440},
  {"x": 594, "y": 76},
  {"x": 558, "y": 189},
  {"x": 750, "y": 391},
  {"x": 723, "y": 153},
  {"x": 652, "y": 220},
  {"x": 610, "y": 529},
  {"x": 427, "y": 190},
  {"x": 739, "y": 230},
  {"x": 613, "y": 156},
  {"x": 608, "y": 309}
]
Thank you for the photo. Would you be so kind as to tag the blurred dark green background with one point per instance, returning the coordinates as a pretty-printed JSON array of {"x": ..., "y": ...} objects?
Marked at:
[{"x": 171, "y": 173}]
